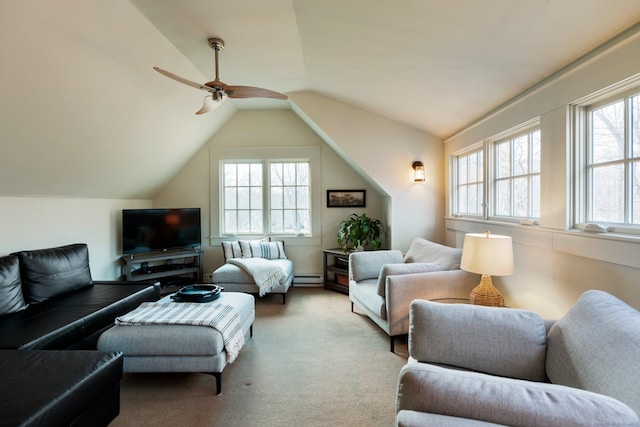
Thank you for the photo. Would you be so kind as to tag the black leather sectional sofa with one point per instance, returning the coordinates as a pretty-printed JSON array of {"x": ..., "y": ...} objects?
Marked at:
[{"x": 51, "y": 314}]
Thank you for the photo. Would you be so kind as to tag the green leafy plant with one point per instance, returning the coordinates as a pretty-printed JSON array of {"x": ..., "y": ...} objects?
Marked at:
[{"x": 359, "y": 232}]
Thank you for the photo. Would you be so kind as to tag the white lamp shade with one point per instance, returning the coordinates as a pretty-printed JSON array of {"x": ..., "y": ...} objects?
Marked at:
[{"x": 489, "y": 254}]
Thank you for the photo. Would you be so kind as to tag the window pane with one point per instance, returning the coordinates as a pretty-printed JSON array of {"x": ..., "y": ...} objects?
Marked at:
[
  {"x": 256, "y": 221},
  {"x": 535, "y": 196},
  {"x": 302, "y": 198},
  {"x": 289, "y": 173},
  {"x": 462, "y": 170},
  {"x": 243, "y": 174},
  {"x": 230, "y": 174},
  {"x": 473, "y": 198},
  {"x": 256, "y": 174},
  {"x": 289, "y": 194},
  {"x": 608, "y": 133},
  {"x": 276, "y": 198},
  {"x": 256, "y": 197},
  {"x": 243, "y": 198},
  {"x": 503, "y": 160},
  {"x": 277, "y": 221},
  {"x": 244, "y": 222},
  {"x": 608, "y": 194},
  {"x": 276, "y": 174},
  {"x": 635, "y": 216},
  {"x": 462, "y": 200},
  {"x": 503, "y": 197},
  {"x": 521, "y": 197},
  {"x": 302, "y": 173},
  {"x": 290, "y": 225},
  {"x": 230, "y": 225},
  {"x": 304, "y": 224},
  {"x": 230, "y": 198},
  {"x": 520, "y": 155},
  {"x": 473, "y": 167}
]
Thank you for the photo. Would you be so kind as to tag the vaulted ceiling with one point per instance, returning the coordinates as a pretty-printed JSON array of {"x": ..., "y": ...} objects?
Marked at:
[{"x": 83, "y": 114}]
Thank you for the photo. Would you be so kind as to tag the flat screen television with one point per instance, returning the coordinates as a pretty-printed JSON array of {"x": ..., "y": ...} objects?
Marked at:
[{"x": 153, "y": 230}]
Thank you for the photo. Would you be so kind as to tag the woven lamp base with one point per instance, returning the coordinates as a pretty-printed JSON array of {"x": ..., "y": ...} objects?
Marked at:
[{"x": 486, "y": 294}]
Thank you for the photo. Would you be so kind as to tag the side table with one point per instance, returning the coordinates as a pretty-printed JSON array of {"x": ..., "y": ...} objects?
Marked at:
[{"x": 336, "y": 270}]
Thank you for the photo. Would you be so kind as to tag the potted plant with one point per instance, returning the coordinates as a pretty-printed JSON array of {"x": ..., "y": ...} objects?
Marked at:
[{"x": 360, "y": 231}]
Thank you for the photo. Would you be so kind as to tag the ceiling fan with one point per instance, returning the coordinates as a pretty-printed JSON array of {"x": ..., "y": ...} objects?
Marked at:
[{"x": 219, "y": 91}]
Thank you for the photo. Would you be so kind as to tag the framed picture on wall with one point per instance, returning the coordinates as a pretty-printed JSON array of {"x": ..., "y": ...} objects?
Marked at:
[{"x": 346, "y": 198}]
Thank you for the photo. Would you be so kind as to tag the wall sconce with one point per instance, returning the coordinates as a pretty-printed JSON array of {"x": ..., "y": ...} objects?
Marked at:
[{"x": 418, "y": 171}]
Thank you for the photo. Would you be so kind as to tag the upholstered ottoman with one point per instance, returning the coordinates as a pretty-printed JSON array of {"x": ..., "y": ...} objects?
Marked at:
[{"x": 178, "y": 348}]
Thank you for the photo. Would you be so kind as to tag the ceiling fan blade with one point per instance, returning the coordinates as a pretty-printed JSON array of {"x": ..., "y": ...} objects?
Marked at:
[
  {"x": 184, "y": 81},
  {"x": 252, "y": 92}
]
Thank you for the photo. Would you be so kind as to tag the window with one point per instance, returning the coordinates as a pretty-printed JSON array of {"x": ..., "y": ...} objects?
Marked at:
[
  {"x": 288, "y": 205},
  {"x": 469, "y": 194},
  {"x": 517, "y": 175},
  {"x": 612, "y": 171},
  {"x": 503, "y": 175}
]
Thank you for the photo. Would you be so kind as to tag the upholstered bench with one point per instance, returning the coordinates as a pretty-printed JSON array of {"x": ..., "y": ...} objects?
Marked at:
[
  {"x": 178, "y": 348},
  {"x": 241, "y": 257}
]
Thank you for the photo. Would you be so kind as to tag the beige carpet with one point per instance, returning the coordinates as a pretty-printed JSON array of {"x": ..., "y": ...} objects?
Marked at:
[{"x": 310, "y": 362}]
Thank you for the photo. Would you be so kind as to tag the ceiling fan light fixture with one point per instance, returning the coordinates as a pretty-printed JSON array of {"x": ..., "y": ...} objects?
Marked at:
[{"x": 211, "y": 102}]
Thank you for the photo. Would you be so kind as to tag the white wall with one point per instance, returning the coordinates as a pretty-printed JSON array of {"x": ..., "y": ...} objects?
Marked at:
[
  {"x": 36, "y": 223},
  {"x": 269, "y": 128},
  {"x": 554, "y": 264},
  {"x": 383, "y": 151}
]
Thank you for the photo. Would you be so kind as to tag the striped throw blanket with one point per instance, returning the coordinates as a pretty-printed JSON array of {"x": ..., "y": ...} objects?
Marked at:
[{"x": 222, "y": 317}]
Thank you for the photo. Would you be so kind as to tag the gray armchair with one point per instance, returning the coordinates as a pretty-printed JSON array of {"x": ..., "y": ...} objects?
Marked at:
[
  {"x": 487, "y": 366},
  {"x": 383, "y": 283}
]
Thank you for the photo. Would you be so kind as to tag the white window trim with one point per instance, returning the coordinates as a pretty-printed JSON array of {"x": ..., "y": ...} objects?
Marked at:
[
  {"x": 284, "y": 153},
  {"x": 579, "y": 111},
  {"x": 488, "y": 147},
  {"x": 516, "y": 131}
]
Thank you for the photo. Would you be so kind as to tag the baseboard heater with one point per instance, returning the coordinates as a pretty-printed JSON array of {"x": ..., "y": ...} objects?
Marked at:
[{"x": 308, "y": 280}]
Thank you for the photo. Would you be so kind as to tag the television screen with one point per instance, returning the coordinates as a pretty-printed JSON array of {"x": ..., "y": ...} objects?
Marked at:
[{"x": 151, "y": 230}]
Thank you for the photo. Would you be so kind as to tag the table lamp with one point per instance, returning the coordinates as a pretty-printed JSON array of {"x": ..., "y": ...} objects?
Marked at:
[{"x": 489, "y": 255}]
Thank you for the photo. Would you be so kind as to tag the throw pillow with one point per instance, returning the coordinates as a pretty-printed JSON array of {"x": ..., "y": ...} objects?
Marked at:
[
  {"x": 231, "y": 250},
  {"x": 263, "y": 249},
  {"x": 397, "y": 269},
  {"x": 11, "y": 299},
  {"x": 422, "y": 250}
]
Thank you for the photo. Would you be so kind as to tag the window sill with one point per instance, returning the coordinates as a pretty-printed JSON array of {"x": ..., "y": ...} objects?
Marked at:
[{"x": 608, "y": 247}]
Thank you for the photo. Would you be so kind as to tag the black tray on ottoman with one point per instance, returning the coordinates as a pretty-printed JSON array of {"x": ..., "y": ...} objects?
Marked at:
[{"x": 197, "y": 293}]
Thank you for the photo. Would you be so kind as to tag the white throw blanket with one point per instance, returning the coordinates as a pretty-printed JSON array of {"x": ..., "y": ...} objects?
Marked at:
[
  {"x": 265, "y": 273},
  {"x": 222, "y": 317}
]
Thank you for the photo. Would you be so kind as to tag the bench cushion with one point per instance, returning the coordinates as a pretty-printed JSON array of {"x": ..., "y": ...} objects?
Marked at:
[{"x": 230, "y": 273}]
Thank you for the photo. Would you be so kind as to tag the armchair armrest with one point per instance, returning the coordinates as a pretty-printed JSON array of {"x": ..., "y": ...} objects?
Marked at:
[
  {"x": 401, "y": 290},
  {"x": 367, "y": 264},
  {"x": 438, "y": 390}
]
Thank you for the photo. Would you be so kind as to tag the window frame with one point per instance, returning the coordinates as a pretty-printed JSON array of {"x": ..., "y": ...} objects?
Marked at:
[
  {"x": 494, "y": 179},
  {"x": 583, "y": 150},
  {"x": 488, "y": 148},
  {"x": 268, "y": 155}
]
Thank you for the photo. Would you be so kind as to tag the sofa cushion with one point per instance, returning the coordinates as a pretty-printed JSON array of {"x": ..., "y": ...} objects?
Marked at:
[
  {"x": 596, "y": 347},
  {"x": 11, "y": 299},
  {"x": 422, "y": 250},
  {"x": 47, "y": 273},
  {"x": 500, "y": 341},
  {"x": 396, "y": 269}
]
